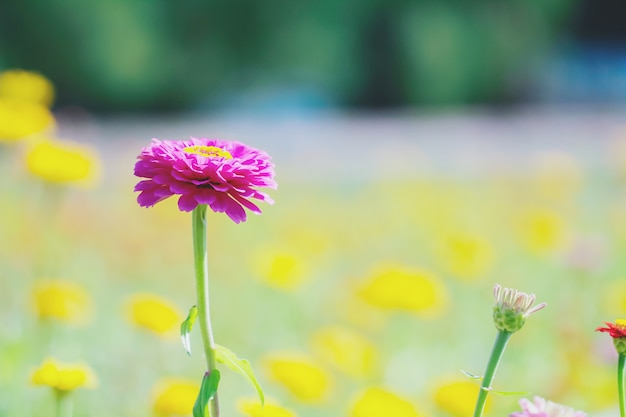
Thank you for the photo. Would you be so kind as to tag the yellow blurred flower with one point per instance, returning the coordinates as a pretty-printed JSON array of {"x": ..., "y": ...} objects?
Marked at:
[
  {"x": 26, "y": 86},
  {"x": 457, "y": 397},
  {"x": 175, "y": 397},
  {"x": 377, "y": 402},
  {"x": 346, "y": 350},
  {"x": 253, "y": 408},
  {"x": 154, "y": 313},
  {"x": 62, "y": 162},
  {"x": 542, "y": 230},
  {"x": 61, "y": 300},
  {"x": 405, "y": 289},
  {"x": 467, "y": 256},
  {"x": 20, "y": 119},
  {"x": 300, "y": 375},
  {"x": 63, "y": 377},
  {"x": 280, "y": 268}
]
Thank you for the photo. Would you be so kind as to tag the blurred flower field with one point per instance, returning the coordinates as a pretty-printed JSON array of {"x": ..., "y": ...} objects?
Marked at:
[{"x": 363, "y": 291}]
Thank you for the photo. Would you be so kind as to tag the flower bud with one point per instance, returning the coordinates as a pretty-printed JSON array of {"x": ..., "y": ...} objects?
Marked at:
[{"x": 512, "y": 307}]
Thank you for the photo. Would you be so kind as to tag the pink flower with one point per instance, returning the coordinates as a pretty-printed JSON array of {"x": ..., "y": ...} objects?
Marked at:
[
  {"x": 222, "y": 174},
  {"x": 542, "y": 408}
]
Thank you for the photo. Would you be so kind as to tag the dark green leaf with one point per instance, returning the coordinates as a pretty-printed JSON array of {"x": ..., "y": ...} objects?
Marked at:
[{"x": 208, "y": 389}]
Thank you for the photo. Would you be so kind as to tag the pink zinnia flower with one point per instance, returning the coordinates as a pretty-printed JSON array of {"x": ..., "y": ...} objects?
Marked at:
[
  {"x": 224, "y": 175},
  {"x": 542, "y": 408}
]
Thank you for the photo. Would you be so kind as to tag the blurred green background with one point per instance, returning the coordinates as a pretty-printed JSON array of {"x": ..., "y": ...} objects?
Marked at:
[{"x": 162, "y": 55}]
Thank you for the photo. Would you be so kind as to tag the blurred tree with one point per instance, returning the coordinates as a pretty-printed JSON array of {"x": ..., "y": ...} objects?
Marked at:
[{"x": 160, "y": 55}]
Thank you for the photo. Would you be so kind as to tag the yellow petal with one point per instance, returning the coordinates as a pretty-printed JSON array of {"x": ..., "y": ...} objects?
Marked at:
[
  {"x": 300, "y": 375},
  {"x": 26, "y": 86},
  {"x": 377, "y": 402},
  {"x": 457, "y": 397},
  {"x": 62, "y": 300},
  {"x": 253, "y": 408},
  {"x": 280, "y": 268},
  {"x": 175, "y": 397},
  {"x": 153, "y": 313},
  {"x": 46, "y": 374},
  {"x": 64, "y": 377},
  {"x": 62, "y": 162},
  {"x": 72, "y": 378},
  {"x": 399, "y": 288},
  {"x": 19, "y": 120}
]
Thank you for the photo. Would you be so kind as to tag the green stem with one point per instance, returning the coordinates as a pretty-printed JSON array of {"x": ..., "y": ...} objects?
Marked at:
[
  {"x": 202, "y": 291},
  {"x": 64, "y": 406},
  {"x": 492, "y": 366},
  {"x": 620, "y": 383}
]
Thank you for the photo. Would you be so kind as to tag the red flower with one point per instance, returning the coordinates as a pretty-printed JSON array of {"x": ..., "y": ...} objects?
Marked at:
[{"x": 615, "y": 330}]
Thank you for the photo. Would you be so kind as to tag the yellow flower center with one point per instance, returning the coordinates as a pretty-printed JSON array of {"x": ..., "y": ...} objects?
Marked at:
[
  {"x": 208, "y": 151},
  {"x": 621, "y": 323}
]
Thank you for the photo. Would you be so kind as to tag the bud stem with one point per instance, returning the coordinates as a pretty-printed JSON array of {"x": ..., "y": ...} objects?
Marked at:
[
  {"x": 620, "y": 383},
  {"x": 202, "y": 291},
  {"x": 64, "y": 406},
  {"x": 494, "y": 359}
]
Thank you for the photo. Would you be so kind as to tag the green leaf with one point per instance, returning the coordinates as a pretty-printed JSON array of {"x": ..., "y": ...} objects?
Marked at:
[
  {"x": 469, "y": 375},
  {"x": 208, "y": 389},
  {"x": 506, "y": 393},
  {"x": 241, "y": 366},
  {"x": 185, "y": 328}
]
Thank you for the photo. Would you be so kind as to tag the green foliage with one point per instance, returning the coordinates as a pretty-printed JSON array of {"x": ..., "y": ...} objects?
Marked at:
[
  {"x": 185, "y": 328},
  {"x": 241, "y": 366},
  {"x": 123, "y": 55},
  {"x": 208, "y": 389},
  {"x": 507, "y": 393},
  {"x": 470, "y": 375}
]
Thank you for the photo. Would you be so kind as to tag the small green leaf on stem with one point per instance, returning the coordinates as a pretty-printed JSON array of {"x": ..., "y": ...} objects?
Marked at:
[
  {"x": 241, "y": 366},
  {"x": 208, "y": 389},
  {"x": 470, "y": 375},
  {"x": 506, "y": 393},
  {"x": 185, "y": 328}
]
